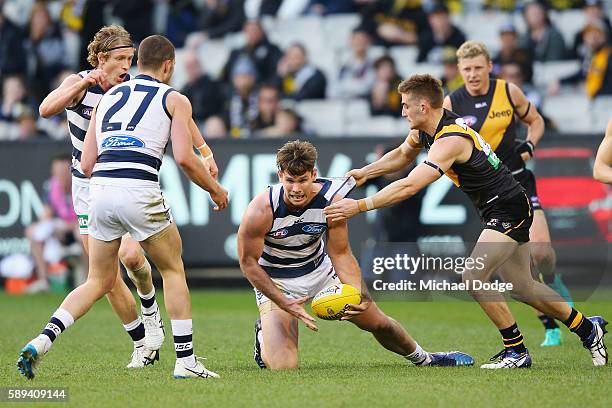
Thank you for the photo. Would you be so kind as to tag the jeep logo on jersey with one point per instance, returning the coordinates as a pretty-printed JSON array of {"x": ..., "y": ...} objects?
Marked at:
[
  {"x": 470, "y": 120},
  {"x": 500, "y": 114},
  {"x": 313, "y": 228},
  {"x": 279, "y": 233},
  {"x": 119, "y": 142}
]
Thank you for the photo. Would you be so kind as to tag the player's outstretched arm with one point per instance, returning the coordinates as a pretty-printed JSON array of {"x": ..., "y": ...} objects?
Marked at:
[
  {"x": 90, "y": 147},
  {"x": 391, "y": 162},
  {"x": 181, "y": 134},
  {"x": 255, "y": 225},
  {"x": 69, "y": 93},
  {"x": 529, "y": 115},
  {"x": 440, "y": 158},
  {"x": 339, "y": 251},
  {"x": 602, "y": 170}
]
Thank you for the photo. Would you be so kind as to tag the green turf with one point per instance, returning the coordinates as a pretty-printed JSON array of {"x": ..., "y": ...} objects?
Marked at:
[{"x": 340, "y": 365}]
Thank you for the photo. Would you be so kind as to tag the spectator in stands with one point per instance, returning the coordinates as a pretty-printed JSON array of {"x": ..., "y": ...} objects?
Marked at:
[
  {"x": 242, "y": 102},
  {"x": 384, "y": 98},
  {"x": 136, "y": 16},
  {"x": 596, "y": 68},
  {"x": 593, "y": 11},
  {"x": 268, "y": 99},
  {"x": 92, "y": 21},
  {"x": 513, "y": 72},
  {"x": 356, "y": 75},
  {"x": 286, "y": 122},
  {"x": 14, "y": 107},
  {"x": 511, "y": 52},
  {"x": 218, "y": 18},
  {"x": 45, "y": 46},
  {"x": 443, "y": 34},
  {"x": 297, "y": 77},
  {"x": 215, "y": 128},
  {"x": 451, "y": 78},
  {"x": 395, "y": 22},
  {"x": 57, "y": 226},
  {"x": 542, "y": 38},
  {"x": 13, "y": 55},
  {"x": 204, "y": 92},
  {"x": 326, "y": 7},
  {"x": 182, "y": 21},
  {"x": 259, "y": 49}
]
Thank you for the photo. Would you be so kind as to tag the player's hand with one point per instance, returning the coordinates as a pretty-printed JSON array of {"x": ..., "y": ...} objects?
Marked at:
[
  {"x": 95, "y": 77},
  {"x": 526, "y": 150},
  {"x": 221, "y": 198},
  {"x": 359, "y": 175},
  {"x": 356, "y": 310},
  {"x": 295, "y": 308},
  {"x": 211, "y": 166},
  {"x": 341, "y": 210}
]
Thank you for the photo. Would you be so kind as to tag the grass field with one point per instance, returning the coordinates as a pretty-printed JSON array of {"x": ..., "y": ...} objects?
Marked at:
[{"x": 340, "y": 365}]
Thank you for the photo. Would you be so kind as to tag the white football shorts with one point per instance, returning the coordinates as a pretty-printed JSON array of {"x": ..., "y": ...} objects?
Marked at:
[
  {"x": 80, "y": 202},
  {"x": 118, "y": 209},
  {"x": 306, "y": 285}
]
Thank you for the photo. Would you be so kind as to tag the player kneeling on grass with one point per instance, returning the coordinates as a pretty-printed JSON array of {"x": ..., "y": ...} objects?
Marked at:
[{"x": 282, "y": 253}]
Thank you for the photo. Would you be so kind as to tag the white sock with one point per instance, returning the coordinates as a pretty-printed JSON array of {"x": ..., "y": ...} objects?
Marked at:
[
  {"x": 54, "y": 329},
  {"x": 183, "y": 341},
  {"x": 419, "y": 356},
  {"x": 148, "y": 304}
]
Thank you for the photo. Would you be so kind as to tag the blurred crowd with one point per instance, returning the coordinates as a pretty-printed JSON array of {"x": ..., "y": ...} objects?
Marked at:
[{"x": 254, "y": 95}]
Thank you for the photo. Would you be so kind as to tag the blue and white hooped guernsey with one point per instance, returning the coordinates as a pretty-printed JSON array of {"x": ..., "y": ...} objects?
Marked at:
[
  {"x": 294, "y": 246},
  {"x": 78, "y": 117},
  {"x": 132, "y": 131}
]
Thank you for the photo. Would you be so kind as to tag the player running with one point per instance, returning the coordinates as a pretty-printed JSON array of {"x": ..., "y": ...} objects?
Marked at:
[
  {"x": 282, "y": 254},
  {"x": 601, "y": 169},
  {"x": 110, "y": 54},
  {"x": 489, "y": 106},
  {"x": 462, "y": 154},
  {"x": 123, "y": 152}
]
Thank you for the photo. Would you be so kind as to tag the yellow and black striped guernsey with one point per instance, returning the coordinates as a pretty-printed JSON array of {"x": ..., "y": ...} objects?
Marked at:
[
  {"x": 483, "y": 177},
  {"x": 492, "y": 116}
]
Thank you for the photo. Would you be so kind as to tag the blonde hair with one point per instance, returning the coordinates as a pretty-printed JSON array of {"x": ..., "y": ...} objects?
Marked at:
[
  {"x": 107, "y": 38},
  {"x": 472, "y": 49},
  {"x": 423, "y": 86}
]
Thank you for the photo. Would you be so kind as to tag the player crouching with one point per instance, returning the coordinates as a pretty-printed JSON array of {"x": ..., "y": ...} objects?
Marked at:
[{"x": 282, "y": 254}]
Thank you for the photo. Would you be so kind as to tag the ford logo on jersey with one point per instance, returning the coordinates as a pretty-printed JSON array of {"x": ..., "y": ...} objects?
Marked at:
[
  {"x": 119, "y": 142},
  {"x": 313, "y": 228}
]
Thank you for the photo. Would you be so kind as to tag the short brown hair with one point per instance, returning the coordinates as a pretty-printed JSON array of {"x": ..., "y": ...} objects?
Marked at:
[
  {"x": 153, "y": 51},
  {"x": 108, "y": 37},
  {"x": 472, "y": 49},
  {"x": 423, "y": 86},
  {"x": 297, "y": 157}
]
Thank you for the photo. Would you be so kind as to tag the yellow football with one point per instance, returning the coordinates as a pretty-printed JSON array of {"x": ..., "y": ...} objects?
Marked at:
[{"x": 333, "y": 301}]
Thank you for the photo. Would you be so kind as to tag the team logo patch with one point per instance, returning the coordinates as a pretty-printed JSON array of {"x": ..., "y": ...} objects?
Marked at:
[
  {"x": 120, "y": 142},
  {"x": 313, "y": 228},
  {"x": 470, "y": 120},
  {"x": 279, "y": 233},
  {"x": 506, "y": 225},
  {"x": 87, "y": 112}
]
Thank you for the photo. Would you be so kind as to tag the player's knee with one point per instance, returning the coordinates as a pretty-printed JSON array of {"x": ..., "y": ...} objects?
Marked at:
[
  {"x": 131, "y": 258},
  {"x": 281, "y": 359},
  {"x": 543, "y": 257},
  {"x": 469, "y": 276},
  {"x": 103, "y": 285}
]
